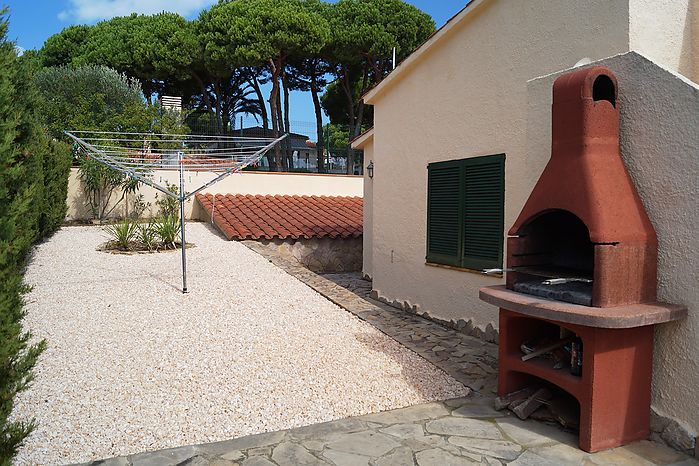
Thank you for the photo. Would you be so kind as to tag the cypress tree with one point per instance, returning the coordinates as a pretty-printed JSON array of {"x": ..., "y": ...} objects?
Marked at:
[{"x": 22, "y": 201}]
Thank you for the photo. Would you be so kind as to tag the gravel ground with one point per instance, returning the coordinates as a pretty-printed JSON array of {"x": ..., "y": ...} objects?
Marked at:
[{"x": 133, "y": 364}]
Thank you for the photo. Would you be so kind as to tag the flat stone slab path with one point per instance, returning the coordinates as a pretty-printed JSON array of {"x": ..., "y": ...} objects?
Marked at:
[{"x": 452, "y": 433}]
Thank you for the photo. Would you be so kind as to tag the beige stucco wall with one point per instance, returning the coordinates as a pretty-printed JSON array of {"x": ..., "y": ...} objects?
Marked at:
[
  {"x": 667, "y": 32},
  {"x": 464, "y": 98},
  {"x": 241, "y": 183},
  {"x": 660, "y": 146},
  {"x": 367, "y": 247}
]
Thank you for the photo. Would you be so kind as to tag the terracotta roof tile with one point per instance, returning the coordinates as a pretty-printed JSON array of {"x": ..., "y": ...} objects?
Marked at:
[{"x": 240, "y": 216}]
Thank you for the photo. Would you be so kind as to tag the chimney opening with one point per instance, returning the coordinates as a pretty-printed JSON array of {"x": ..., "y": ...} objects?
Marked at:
[{"x": 603, "y": 89}]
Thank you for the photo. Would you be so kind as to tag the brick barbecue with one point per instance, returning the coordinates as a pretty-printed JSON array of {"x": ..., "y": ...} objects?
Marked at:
[{"x": 582, "y": 263}]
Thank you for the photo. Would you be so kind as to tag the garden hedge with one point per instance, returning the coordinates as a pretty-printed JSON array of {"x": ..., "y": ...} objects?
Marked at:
[{"x": 33, "y": 189}]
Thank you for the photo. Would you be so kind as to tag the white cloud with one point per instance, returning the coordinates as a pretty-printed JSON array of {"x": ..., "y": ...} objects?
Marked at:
[{"x": 88, "y": 11}]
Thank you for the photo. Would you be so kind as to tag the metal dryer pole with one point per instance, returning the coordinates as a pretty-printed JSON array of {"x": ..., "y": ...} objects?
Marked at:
[{"x": 180, "y": 160}]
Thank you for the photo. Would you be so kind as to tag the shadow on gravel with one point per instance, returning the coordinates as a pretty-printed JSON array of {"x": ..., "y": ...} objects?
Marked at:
[{"x": 411, "y": 371}]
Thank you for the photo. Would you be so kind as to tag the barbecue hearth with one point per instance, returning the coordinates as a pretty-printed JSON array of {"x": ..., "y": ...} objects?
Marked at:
[{"x": 582, "y": 257}]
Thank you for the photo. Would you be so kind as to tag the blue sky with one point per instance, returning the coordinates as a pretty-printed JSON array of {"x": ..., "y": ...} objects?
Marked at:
[{"x": 33, "y": 21}]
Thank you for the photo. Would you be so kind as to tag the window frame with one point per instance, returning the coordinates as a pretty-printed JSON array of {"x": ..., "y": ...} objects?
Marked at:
[{"x": 461, "y": 260}]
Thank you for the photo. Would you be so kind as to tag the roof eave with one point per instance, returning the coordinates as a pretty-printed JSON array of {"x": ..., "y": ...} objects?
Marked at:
[{"x": 361, "y": 141}]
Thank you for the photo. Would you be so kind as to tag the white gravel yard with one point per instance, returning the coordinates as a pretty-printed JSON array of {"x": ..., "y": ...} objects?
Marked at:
[{"x": 133, "y": 364}]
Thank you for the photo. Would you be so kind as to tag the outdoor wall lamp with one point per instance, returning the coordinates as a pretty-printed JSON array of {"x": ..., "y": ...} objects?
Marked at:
[{"x": 370, "y": 169}]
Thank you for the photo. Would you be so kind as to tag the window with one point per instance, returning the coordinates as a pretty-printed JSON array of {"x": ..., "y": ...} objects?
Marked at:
[{"x": 465, "y": 210}]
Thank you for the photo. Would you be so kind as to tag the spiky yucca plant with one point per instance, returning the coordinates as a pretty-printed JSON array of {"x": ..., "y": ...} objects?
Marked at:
[
  {"x": 168, "y": 229},
  {"x": 148, "y": 236},
  {"x": 122, "y": 234}
]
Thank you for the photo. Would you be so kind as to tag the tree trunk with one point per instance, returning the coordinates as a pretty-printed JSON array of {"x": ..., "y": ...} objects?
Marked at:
[
  {"x": 265, "y": 116},
  {"x": 287, "y": 123},
  {"x": 320, "y": 144},
  {"x": 280, "y": 125},
  {"x": 347, "y": 88},
  {"x": 263, "y": 105},
  {"x": 205, "y": 94},
  {"x": 273, "y": 101},
  {"x": 219, "y": 113}
]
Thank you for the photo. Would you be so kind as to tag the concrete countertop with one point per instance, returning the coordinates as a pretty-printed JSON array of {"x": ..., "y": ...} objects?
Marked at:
[{"x": 628, "y": 316}]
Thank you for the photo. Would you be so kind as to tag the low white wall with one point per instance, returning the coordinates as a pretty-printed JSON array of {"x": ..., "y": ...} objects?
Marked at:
[
  {"x": 660, "y": 146},
  {"x": 241, "y": 183}
]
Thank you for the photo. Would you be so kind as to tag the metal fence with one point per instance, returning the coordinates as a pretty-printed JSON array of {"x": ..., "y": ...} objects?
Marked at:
[{"x": 301, "y": 151}]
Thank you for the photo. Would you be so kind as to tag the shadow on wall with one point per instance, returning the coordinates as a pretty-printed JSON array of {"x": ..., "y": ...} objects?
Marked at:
[{"x": 689, "y": 67}]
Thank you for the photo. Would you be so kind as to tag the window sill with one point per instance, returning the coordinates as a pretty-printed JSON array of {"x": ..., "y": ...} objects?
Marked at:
[{"x": 463, "y": 269}]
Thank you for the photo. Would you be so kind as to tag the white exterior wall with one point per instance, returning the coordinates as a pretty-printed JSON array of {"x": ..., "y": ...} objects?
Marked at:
[
  {"x": 660, "y": 146},
  {"x": 667, "y": 32},
  {"x": 467, "y": 97},
  {"x": 240, "y": 183}
]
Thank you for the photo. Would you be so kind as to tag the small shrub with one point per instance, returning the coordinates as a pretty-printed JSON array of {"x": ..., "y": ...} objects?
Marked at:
[
  {"x": 139, "y": 206},
  {"x": 168, "y": 230},
  {"x": 167, "y": 205},
  {"x": 123, "y": 233},
  {"x": 148, "y": 236}
]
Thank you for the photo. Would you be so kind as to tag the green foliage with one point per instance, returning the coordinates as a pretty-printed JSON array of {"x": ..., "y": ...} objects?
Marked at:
[
  {"x": 91, "y": 98},
  {"x": 63, "y": 48},
  {"x": 218, "y": 62},
  {"x": 99, "y": 184},
  {"x": 337, "y": 137},
  {"x": 368, "y": 30},
  {"x": 148, "y": 236},
  {"x": 95, "y": 97},
  {"x": 252, "y": 32},
  {"x": 139, "y": 206},
  {"x": 263, "y": 33},
  {"x": 168, "y": 206},
  {"x": 56, "y": 171},
  {"x": 33, "y": 180},
  {"x": 168, "y": 231},
  {"x": 148, "y": 48},
  {"x": 129, "y": 235},
  {"x": 336, "y": 105},
  {"x": 122, "y": 234}
]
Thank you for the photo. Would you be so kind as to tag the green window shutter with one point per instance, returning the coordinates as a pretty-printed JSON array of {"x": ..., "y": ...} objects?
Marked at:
[
  {"x": 483, "y": 215},
  {"x": 444, "y": 212}
]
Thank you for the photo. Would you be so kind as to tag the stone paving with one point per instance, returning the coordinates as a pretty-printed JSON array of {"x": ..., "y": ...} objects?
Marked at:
[{"x": 450, "y": 433}]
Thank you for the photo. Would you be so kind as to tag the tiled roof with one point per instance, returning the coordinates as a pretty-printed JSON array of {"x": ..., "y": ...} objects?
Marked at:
[{"x": 240, "y": 216}]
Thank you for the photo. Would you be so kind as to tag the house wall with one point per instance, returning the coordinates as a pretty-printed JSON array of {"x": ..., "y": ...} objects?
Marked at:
[
  {"x": 241, "y": 183},
  {"x": 667, "y": 32},
  {"x": 367, "y": 270},
  {"x": 467, "y": 97},
  {"x": 660, "y": 146}
]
